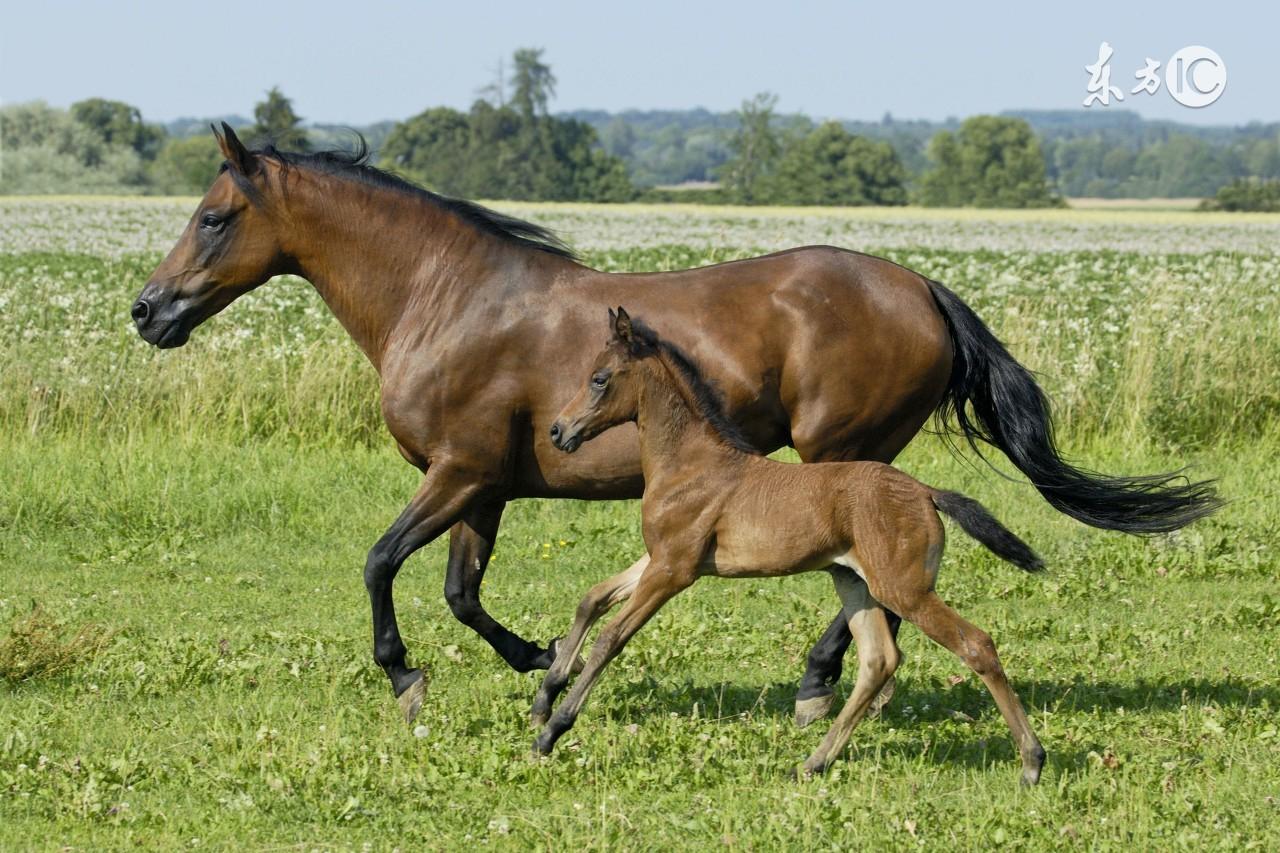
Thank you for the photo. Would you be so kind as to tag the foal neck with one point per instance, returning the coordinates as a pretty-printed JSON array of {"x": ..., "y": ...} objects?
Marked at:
[{"x": 673, "y": 432}]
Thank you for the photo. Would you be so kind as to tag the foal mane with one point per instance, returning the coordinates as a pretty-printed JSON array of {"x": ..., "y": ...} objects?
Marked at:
[
  {"x": 354, "y": 165},
  {"x": 702, "y": 395}
]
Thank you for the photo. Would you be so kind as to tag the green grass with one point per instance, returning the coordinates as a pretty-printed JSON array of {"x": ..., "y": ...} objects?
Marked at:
[
  {"x": 237, "y": 699},
  {"x": 192, "y": 526}
]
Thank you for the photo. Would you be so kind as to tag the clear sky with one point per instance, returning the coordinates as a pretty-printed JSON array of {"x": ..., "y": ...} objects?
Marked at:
[{"x": 358, "y": 62}]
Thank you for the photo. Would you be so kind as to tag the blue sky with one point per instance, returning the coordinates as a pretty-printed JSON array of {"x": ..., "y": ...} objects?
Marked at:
[{"x": 357, "y": 62}]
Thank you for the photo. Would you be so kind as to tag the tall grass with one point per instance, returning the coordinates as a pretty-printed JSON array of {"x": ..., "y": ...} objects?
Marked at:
[{"x": 1168, "y": 348}]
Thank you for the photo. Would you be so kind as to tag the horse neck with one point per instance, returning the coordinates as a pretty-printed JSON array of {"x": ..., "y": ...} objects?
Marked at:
[
  {"x": 672, "y": 430},
  {"x": 382, "y": 259}
]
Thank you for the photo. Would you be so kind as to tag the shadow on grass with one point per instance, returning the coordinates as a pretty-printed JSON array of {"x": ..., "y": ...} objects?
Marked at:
[
  {"x": 652, "y": 696},
  {"x": 932, "y": 704}
]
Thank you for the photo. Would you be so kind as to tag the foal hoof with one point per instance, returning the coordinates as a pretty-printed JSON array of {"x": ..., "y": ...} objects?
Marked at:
[
  {"x": 410, "y": 701},
  {"x": 886, "y": 693},
  {"x": 812, "y": 709},
  {"x": 805, "y": 772},
  {"x": 542, "y": 745},
  {"x": 1032, "y": 765}
]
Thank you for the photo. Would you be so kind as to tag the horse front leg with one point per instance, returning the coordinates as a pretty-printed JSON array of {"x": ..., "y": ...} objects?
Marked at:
[
  {"x": 443, "y": 496},
  {"x": 470, "y": 547}
]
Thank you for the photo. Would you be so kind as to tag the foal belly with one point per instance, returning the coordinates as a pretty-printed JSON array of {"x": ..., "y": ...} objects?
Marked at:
[{"x": 755, "y": 552}]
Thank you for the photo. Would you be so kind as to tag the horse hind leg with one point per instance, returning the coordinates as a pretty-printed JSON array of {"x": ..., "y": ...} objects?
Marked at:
[
  {"x": 878, "y": 658},
  {"x": 598, "y": 601}
]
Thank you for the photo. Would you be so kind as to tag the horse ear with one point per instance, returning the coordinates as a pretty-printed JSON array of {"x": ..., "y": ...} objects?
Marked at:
[
  {"x": 622, "y": 325},
  {"x": 240, "y": 158},
  {"x": 613, "y": 321}
]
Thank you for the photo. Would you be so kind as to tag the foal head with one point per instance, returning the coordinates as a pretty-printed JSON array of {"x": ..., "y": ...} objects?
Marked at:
[
  {"x": 229, "y": 247},
  {"x": 612, "y": 393}
]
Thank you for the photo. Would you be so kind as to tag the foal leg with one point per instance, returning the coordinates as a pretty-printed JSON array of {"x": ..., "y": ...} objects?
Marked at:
[
  {"x": 825, "y": 665},
  {"x": 441, "y": 499},
  {"x": 598, "y": 601},
  {"x": 470, "y": 546},
  {"x": 974, "y": 646},
  {"x": 656, "y": 588},
  {"x": 878, "y": 657}
]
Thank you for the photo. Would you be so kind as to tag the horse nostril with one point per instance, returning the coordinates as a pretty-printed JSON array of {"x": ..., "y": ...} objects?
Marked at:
[
  {"x": 555, "y": 434},
  {"x": 141, "y": 311}
]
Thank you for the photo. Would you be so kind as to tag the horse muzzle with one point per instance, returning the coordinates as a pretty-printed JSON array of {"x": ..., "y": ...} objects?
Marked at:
[{"x": 161, "y": 319}]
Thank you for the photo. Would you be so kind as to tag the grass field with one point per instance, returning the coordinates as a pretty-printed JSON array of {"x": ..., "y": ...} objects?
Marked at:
[{"x": 193, "y": 525}]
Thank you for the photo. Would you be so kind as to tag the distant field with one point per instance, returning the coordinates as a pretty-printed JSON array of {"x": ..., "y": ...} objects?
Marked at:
[
  {"x": 1084, "y": 203},
  {"x": 209, "y": 509},
  {"x": 99, "y": 225}
]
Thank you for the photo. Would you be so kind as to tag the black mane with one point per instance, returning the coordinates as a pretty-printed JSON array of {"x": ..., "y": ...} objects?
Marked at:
[
  {"x": 355, "y": 165},
  {"x": 706, "y": 399}
]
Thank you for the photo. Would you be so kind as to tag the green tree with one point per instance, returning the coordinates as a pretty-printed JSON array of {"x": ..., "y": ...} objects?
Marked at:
[
  {"x": 1253, "y": 194},
  {"x": 532, "y": 83},
  {"x": 186, "y": 166},
  {"x": 119, "y": 124},
  {"x": 516, "y": 151},
  {"x": 275, "y": 120},
  {"x": 432, "y": 148},
  {"x": 755, "y": 148},
  {"x": 830, "y": 165},
  {"x": 38, "y": 125},
  {"x": 48, "y": 151},
  {"x": 991, "y": 161}
]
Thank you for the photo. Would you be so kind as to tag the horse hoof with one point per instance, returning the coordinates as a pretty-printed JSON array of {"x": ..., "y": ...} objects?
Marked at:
[
  {"x": 410, "y": 700},
  {"x": 812, "y": 709},
  {"x": 881, "y": 700}
]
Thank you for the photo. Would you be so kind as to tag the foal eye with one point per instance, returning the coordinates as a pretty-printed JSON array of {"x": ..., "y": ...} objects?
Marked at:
[
  {"x": 599, "y": 380},
  {"x": 211, "y": 221}
]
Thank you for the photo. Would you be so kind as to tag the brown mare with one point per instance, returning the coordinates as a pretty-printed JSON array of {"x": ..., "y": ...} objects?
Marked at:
[
  {"x": 475, "y": 322},
  {"x": 714, "y": 507}
]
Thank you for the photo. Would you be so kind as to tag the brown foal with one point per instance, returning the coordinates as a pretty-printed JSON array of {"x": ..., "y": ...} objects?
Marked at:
[{"x": 713, "y": 506}]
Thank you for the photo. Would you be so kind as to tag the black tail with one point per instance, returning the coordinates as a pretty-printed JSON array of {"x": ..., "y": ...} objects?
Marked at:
[
  {"x": 1010, "y": 412},
  {"x": 974, "y": 519}
]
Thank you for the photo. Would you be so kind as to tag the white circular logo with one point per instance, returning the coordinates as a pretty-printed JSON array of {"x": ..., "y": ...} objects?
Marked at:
[{"x": 1195, "y": 76}]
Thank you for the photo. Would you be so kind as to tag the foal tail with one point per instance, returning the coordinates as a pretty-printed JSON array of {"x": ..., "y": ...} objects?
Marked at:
[
  {"x": 996, "y": 399},
  {"x": 974, "y": 519}
]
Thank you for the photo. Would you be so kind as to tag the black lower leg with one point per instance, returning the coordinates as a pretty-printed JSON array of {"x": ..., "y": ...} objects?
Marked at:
[
  {"x": 388, "y": 649},
  {"x": 826, "y": 660},
  {"x": 470, "y": 546},
  {"x": 555, "y": 727},
  {"x": 548, "y": 692}
]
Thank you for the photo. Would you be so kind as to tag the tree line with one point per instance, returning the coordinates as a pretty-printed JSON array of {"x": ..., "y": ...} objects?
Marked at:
[{"x": 509, "y": 145}]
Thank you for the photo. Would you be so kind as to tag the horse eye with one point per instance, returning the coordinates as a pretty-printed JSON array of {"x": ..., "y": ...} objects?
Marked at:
[
  {"x": 211, "y": 221},
  {"x": 600, "y": 380}
]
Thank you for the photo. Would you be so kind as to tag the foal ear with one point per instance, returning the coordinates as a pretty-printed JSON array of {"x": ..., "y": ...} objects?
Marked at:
[
  {"x": 240, "y": 158},
  {"x": 622, "y": 325}
]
